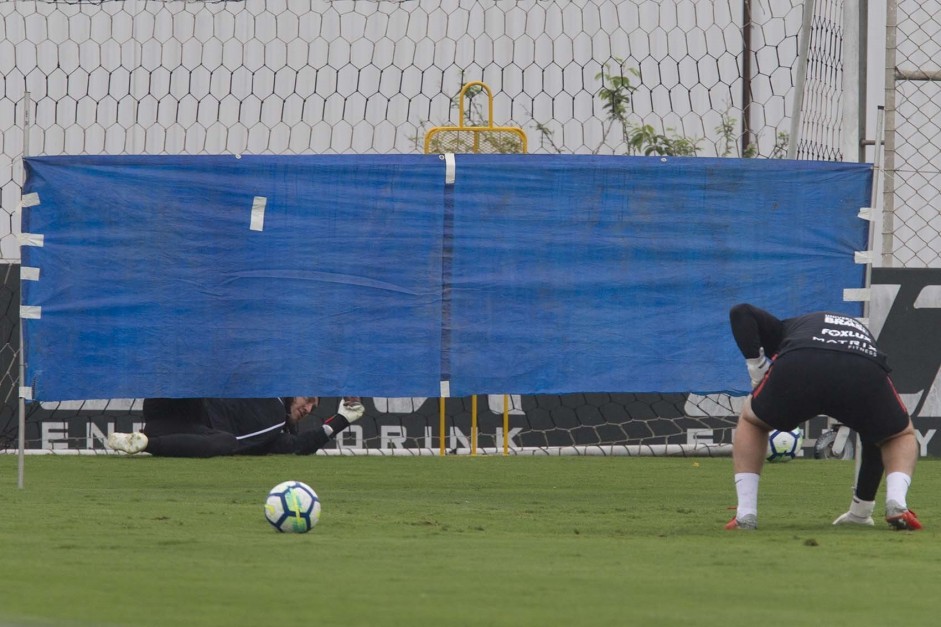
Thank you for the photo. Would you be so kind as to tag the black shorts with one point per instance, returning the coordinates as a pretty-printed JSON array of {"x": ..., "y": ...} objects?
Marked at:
[{"x": 849, "y": 388}]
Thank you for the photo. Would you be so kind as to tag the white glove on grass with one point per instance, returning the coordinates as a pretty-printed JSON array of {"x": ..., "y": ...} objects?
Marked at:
[{"x": 757, "y": 367}]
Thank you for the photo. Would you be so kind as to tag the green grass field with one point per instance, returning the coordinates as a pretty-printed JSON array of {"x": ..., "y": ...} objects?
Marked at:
[{"x": 495, "y": 541}]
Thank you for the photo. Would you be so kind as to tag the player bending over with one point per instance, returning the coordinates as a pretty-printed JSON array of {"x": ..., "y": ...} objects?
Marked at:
[
  {"x": 820, "y": 363},
  {"x": 207, "y": 427}
]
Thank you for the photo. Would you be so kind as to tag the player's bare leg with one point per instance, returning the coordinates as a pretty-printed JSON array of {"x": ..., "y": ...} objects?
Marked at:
[
  {"x": 899, "y": 455},
  {"x": 900, "y": 452},
  {"x": 751, "y": 441},
  {"x": 748, "y": 456}
]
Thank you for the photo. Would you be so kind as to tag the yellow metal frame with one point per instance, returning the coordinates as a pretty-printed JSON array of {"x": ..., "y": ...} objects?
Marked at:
[
  {"x": 477, "y": 131},
  {"x": 443, "y": 425}
]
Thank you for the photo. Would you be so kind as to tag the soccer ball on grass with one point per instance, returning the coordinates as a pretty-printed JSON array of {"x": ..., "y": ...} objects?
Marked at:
[
  {"x": 784, "y": 445},
  {"x": 292, "y": 507}
]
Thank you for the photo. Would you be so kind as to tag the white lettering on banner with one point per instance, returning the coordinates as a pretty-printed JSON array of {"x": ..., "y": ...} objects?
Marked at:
[
  {"x": 457, "y": 437},
  {"x": 699, "y": 436},
  {"x": 514, "y": 431},
  {"x": 495, "y": 403},
  {"x": 923, "y": 440},
  {"x": 396, "y": 436},
  {"x": 93, "y": 433},
  {"x": 55, "y": 435},
  {"x": 398, "y": 405},
  {"x": 392, "y": 436},
  {"x": 354, "y": 433},
  {"x": 428, "y": 437}
]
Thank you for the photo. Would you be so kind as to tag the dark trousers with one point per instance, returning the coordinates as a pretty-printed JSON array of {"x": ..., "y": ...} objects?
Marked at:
[{"x": 178, "y": 427}]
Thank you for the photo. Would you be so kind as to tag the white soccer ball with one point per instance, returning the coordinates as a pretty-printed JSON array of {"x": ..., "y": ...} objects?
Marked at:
[
  {"x": 784, "y": 445},
  {"x": 292, "y": 507}
]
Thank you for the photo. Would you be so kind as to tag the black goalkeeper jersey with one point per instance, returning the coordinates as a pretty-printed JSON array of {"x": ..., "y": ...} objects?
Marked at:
[
  {"x": 754, "y": 327},
  {"x": 255, "y": 422},
  {"x": 831, "y": 331}
]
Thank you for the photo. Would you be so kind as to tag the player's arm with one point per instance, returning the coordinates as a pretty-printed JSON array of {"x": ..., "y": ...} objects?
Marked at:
[
  {"x": 758, "y": 335},
  {"x": 350, "y": 410},
  {"x": 867, "y": 483},
  {"x": 309, "y": 442}
]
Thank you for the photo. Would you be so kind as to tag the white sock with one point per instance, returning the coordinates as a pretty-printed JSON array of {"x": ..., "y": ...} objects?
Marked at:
[
  {"x": 328, "y": 430},
  {"x": 746, "y": 487},
  {"x": 896, "y": 487},
  {"x": 862, "y": 509}
]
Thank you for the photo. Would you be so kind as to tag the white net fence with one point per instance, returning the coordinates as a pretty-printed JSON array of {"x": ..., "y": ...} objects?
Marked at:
[
  {"x": 310, "y": 76},
  {"x": 912, "y": 220},
  {"x": 709, "y": 78}
]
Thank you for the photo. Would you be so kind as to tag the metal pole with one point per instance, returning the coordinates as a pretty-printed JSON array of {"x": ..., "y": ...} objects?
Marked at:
[
  {"x": 21, "y": 406},
  {"x": 801, "y": 79},
  {"x": 873, "y": 200},
  {"x": 746, "y": 75},
  {"x": 506, "y": 424},
  {"x": 473, "y": 425},
  {"x": 888, "y": 189},
  {"x": 862, "y": 37},
  {"x": 441, "y": 427},
  {"x": 853, "y": 86}
]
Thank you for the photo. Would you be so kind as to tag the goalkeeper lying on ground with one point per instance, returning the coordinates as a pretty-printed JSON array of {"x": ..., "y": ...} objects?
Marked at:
[{"x": 207, "y": 427}]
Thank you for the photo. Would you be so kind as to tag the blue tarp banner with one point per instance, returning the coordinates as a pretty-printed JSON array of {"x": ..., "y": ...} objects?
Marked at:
[{"x": 369, "y": 275}]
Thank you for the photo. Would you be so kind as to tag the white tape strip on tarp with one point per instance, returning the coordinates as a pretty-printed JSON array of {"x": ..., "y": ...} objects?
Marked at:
[
  {"x": 29, "y": 200},
  {"x": 857, "y": 294},
  {"x": 31, "y": 239},
  {"x": 258, "y": 213},
  {"x": 450, "y": 168},
  {"x": 31, "y": 312}
]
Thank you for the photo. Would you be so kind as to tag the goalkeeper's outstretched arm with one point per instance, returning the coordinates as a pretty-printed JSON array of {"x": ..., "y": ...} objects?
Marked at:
[{"x": 350, "y": 410}]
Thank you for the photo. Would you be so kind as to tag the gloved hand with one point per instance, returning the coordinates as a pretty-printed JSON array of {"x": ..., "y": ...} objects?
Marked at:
[
  {"x": 860, "y": 513},
  {"x": 757, "y": 367},
  {"x": 351, "y": 408}
]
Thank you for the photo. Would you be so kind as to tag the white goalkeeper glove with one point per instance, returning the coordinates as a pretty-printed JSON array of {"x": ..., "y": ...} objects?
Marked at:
[
  {"x": 757, "y": 367},
  {"x": 860, "y": 513},
  {"x": 351, "y": 408}
]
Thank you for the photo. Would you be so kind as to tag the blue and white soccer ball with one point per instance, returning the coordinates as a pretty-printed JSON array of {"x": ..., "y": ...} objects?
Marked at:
[
  {"x": 783, "y": 446},
  {"x": 292, "y": 507}
]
